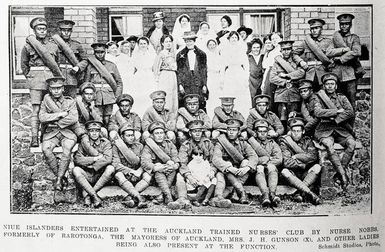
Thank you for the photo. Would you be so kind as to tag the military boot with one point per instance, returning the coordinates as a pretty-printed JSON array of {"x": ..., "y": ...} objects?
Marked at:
[
  {"x": 181, "y": 189},
  {"x": 220, "y": 202},
  {"x": 82, "y": 181},
  {"x": 129, "y": 188},
  {"x": 198, "y": 196},
  {"x": 128, "y": 202},
  {"x": 300, "y": 185},
  {"x": 275, "y": 200},
  {"x": 141, "y": 202},
  {"x": 261, "y": 183},
  {"x": 335, "y": 160},
  {"x": 161, "y": 180},
  {"x": 209, "y": 193},
  {"x": 61, "y": 180},
  {"x": 35, "y": 129}
]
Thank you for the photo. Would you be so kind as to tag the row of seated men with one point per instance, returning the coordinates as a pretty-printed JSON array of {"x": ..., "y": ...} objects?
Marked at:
[{"x": 210, "y": 154}]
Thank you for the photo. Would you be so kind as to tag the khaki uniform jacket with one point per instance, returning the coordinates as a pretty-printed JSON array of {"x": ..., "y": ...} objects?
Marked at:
[
  {"x": 307, "y": 111},
  {"x": 105, "y": 95},
  {"x": 221, "y": 157},
  {"x": 274, "y": 153},
  {"x": 200, "y": 115},
  {"x": 121, "y": 163},
  {"x": 93, "y": 113},
  {"x": 282, "y": 93},
  {"x": 302, "y": 160},
  {"x": 189, "y": 148},
  {"x": 220, "y": 125},
  {"x": 326, "y": 45},
  {"x": 80, "y": 53},
  {"x": 149, "y": 158},
  {"x": 54, "y": 122},
  {"x": 30, "y": 58},
  {"x": 167, "y": 117},
  {"x": 132, "y": 118},
  {"x": 83, "y": 160},
  {"x": 345, "y": 71},
  {"x": 330, "y": 121},
  {"x": 273, "y": 120}
]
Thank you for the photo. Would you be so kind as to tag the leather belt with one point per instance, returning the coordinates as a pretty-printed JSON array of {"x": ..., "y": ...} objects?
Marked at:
[
  {"x": 101, "y": 85},
  {"x": 314, "y": 63},
  {"x": 65, "y": 65},
  {"x": 39, "y": 68}
]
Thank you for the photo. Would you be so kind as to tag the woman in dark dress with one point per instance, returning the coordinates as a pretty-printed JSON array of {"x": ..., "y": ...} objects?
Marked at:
[{"x": 256, "y": 70}]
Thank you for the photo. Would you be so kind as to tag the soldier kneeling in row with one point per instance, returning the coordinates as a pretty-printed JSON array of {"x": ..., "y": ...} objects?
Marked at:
[
  {"x": 196, "y": 170},
  {"x": 269, "y": 158},
  {"x": 160, "y": 157},
  {"x": 126, "y": 160},
  {"x": 300, "y": 161},
  {"x": 93, "y": 170},
  {"x": 234, "y": 158}
]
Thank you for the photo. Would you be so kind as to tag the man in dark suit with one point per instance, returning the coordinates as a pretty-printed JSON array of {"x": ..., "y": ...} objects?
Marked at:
[{"x": 192, "y": 71}]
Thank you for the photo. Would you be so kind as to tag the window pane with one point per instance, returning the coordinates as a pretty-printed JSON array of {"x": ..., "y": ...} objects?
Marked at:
[
  {"x": 124, "y": 26},
  {"x": 261, "y": 24},
  {"x": 22, "y": 26}
]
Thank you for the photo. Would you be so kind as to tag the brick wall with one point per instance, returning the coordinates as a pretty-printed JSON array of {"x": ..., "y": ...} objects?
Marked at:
[
  {"x": 102, "y": 24},
  {"x": 53, "y": 15},
  {"x": 85, "y": 30},
  {"x": 197, "y": 15},
  {"x": 297, "y": 23}
]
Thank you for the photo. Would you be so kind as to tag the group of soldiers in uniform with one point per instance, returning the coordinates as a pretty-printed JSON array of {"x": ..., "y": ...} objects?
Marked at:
[{"x": 195, "y": 153}]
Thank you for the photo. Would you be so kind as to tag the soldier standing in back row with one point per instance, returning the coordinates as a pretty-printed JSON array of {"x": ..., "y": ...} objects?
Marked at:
[
  {"x": 316, "y": 51},
  {"x": 285, "y": 75},
  {"x": 39, "y": 59},
  {"x": 72, "y": 56},
  {"x": 347, "y": 64},
  {"x": 105, "y": 76}
]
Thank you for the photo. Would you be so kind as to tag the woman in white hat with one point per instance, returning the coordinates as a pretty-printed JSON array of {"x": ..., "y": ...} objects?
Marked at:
[
  {"x": 157, "y": 31},
  {"x": 182, "y": 24},
  {"x": 143, "y": 81},
  {"x": 235, "y": 72}
]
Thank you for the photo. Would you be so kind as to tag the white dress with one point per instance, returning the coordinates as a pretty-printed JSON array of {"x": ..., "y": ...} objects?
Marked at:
[
  {"x": 236, "y": 76},
  {"x": 143, "y": 81},
  {"x": 214, "y": 81},
  {"x": 126, "y": 70}
]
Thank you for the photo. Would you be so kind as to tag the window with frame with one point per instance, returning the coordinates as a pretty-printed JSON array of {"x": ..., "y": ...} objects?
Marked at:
[
  {"x": 261, "y": 23},
  {"x": 123, "y": 26},
  {"x": 20, "y": 30}
]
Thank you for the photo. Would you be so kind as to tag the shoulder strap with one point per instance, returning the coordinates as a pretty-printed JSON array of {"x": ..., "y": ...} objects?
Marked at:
[
  {"x": 45, "y": 55},
  {"x": 154, "y": 115},
  {"x": 284, "y": 64},
  {"x": 157, "y": 150},
  {"x": 221, "y": 115},
  {"x": 254, "y": 113},
  {"x": 82, "y": 108},
  {"x": 257, "y": 147},
  {"x": 293, "y": 145},
  {"x": 230, "y": 149},
  {"x": 127, "y": 153},
  {"x": 65, "y": 49},
  {"x": 338, "y": 40},
  {"x": 119, "y": 118},
  {"x": 326, "y": 100},
  {"x": 186, "y": 115},
  {"x": 316, "y": 50},
  {"x": 103, "y": 72}
]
